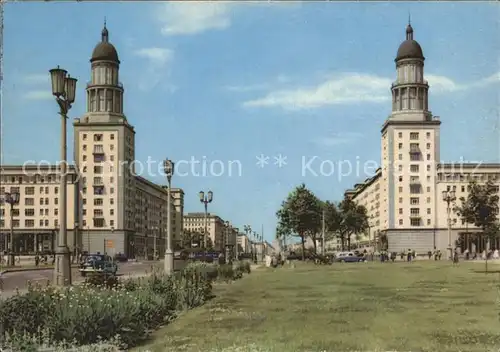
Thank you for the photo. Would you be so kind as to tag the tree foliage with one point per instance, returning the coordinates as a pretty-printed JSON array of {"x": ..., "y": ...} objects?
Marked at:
[
  {"x": 300, "y": 215},
  {"x": 480, "y": 208}
]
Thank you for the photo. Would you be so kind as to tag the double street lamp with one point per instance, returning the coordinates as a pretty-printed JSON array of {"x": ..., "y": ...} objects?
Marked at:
[
  {"x": 205, "y": 199},
  {"x": 168, "y": 167},
  {"x": 248, "y": 231},
  {"x": 64, "y": 89},
  {"x": 449, "y": 196},
  {"x": 11, "y": 199}
]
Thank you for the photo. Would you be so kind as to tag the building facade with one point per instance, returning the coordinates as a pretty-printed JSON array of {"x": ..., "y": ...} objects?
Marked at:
[
  {"x": 112, "y": 209},
  {"x": 404, "y": 197},
  {"x": 216, "y": 227}
]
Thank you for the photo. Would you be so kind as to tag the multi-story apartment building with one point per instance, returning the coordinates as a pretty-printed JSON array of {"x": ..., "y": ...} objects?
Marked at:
[
  {"x": 120, "y": 211},
  {"x": 216, "y": 227},
  {"x": 404, "y": 197},
  {"x": 243, "y": 244},
  {"x": 35, "y": 218}
]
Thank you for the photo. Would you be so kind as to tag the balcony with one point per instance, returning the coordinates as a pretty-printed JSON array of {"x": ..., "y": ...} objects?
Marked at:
[
  {"x": 414, "y": 180},
  {"x": 98, "y": 189},
  {"x": 415, "y": 216},
  {"x": 98, "y": 150},
  {"x": 414, "y": 148}
]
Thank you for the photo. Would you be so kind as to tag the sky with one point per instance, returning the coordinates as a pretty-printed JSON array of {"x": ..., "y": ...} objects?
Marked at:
[{"x": 229, "y": 84}]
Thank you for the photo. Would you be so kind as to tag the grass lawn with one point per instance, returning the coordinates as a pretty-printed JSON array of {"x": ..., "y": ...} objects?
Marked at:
[{"x": 422, "y": 306}]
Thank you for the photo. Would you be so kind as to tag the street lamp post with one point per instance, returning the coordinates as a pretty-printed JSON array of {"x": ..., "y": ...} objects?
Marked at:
[
  {"x": 168, "y": 166},
  {"x": 255, "y": 237},
  {"x": 155, "y": 232},
  {"x": 63, "y": 88},
  {"x": 205, "y": 199},
  {"x": 226, "y": 241},
  {"x": 11, "y": 199},
  {"x": 449, "y": 197}
]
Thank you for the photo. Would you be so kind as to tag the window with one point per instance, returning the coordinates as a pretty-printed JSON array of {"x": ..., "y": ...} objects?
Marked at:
[
  {"x": 47, "y": 190},
  {"x": 41, "y": 212},
  {"x": 56, "y": 211},
  {"x": 15, "y": 223},
  {"x": 428, "y": 157},
  {"x": 109, "y": 100},
  {"x": 99, "y": 222},
  {"x": 463, "y": 188},
  {"x": 41, "y": 201},
  {"x": 98, "y": 212},
  {"x": 56, "y": 223},
  {"x": 428, "y": 199},
  {"x": 84, "y": 147},
  {"x": 97, "y": 137},
  {"x": 400, "y": 146},
  {"x": 111, "y": 212},
  {"x": 84, "y": 158},
  {"x": 111, "y": 190},
  {"x": 112, "y": 157},
  {"x": 98, "y": 201},
  {"x": 400, "y": 189},
  {"x": 112, "y": 223},
  {"x": 98, "y": 181},
  {"x": 428, "y": 221},
  {"x": 428, "y": 210},
  {"x": 29, "y": 212},
  {"x": 84, "y": 212},
  {"x": 414, "y": 201},
  {"x": 400, "y": 134},
  {"x": 400, "y": 221},
  {"x": 41, "y": 223},
  {"x": 428, "y": 146},
  {"x": 400, "y": 210},
  {"x": 56, "y": 201},
  {"x": 428, "y": 188},
  {"x": 111, "y": 179},
  {"x": 46, "y": 211},
  {"x": 84, "y": 136},
  {"x": 400, "y": 156},
  {"x": 415, "y": 211},
  {"x": 415, "y": 157},
  {"x": 415, "y": 222},
  {"x": 428, "y": 135},
  {"x": 29, "y": 201},
  {"x": 56, "y": 190},
  {"x": 415, "y": 189},
  {"x": 46, "y": 222},
  {"x": 29, "y": 191},
  {"x": 111, "y": 201},
  {"x": 29, "y": 223},
  {"x": 414, "y": 135},
  {"x": 112, "y": 136},
  {"x": 98, "y": 158},
  {"x": 98, "y": 169},
  {"x": 428, "y": 168},
  {"x": 414, "y": 168},
  {"x": 84, "y": 201},
  {"x": 400, "y": 178},
  {"x": 400, "y": 167},
  {"x": 112, "y": 147}
]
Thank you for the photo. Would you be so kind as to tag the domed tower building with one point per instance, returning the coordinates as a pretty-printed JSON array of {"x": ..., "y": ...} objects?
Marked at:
[
  {"x": 104, "y": 154},
  {"x": 410, "y": 152}
]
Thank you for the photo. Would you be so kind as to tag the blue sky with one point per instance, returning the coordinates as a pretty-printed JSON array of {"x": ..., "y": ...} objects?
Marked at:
[{"x": 231, "y": 81}]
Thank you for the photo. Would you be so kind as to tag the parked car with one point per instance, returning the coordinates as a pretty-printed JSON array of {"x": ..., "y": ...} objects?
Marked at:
[
  {"x": 98, "y": 263},
  {"x": 121, "y": 257},
  {"x": 349, "y": 257}
]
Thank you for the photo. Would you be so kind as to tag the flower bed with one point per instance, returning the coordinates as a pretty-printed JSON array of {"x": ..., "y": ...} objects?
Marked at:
[{"x": 120, "y": 314}]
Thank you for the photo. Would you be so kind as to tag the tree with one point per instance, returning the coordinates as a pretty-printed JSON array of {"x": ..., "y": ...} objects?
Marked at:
[
  {"x": 300, "y": 215},
  {"x": 353, "y": 220},
  {"x": 333, "y": 219},
  {"x": 187, "y": 239},
  {"x": 481, "y": 209}
]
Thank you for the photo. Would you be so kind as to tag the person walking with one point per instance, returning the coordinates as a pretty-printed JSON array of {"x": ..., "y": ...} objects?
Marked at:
[
  {"x": 409, "y": 255},
  {"x": 455, "y": 257}
]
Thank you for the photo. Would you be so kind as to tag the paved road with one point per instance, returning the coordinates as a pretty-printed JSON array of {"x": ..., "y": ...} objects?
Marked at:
[{"x": 20, "y": 280}]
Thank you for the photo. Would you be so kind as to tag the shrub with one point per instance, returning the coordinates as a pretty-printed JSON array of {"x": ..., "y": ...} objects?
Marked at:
[
  {"x": 225, "y": 272},
  {"x": 82, "y": 314},
  {"x": 101, "y": 279}
]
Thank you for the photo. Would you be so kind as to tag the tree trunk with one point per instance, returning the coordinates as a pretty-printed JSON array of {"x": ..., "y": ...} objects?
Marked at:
[
  {"x": 303, "y": 248},
  {"x": 315, "y": 245},
  {"x": 342, "y": 242},
  {"x": 349, "y": 242}
]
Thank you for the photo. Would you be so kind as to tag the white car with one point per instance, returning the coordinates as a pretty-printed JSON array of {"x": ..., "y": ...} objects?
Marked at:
[
  {"x": 349, "y": 257},
  {"x": 98, "y": 263}
]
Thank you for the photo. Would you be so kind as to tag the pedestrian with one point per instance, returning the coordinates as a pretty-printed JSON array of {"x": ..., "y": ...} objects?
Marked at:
[
  {"x": 429, "y": 254},
  {"x": 439, "y": 254},
  {"x": 37, "y": 259},
  {"x": 466, "y": 253},
  {"x": 455, "y": 257},
  {"x": 409, "y": 255}
]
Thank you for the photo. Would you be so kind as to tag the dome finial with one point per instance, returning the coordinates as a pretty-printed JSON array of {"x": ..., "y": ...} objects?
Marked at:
[
  {"x": 409, "y": 29},
  {"x": 104, "y": 33}
]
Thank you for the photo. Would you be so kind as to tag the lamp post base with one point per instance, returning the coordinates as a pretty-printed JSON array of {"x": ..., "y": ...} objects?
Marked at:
[
  {"x": 11, "y": 260},
  {"x": 169, "y": 261},
  {"x": 62, "y": 269}
]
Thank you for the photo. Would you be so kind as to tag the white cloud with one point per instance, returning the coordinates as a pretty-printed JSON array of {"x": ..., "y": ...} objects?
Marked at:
[
  {"x": 249, "y": 88},
  {"x": 158, "y": 70},
  {"x": 344, "y": 89},
  {"x": 352, "y": 88},
  {"x": 338, "y": 139},
  {"x": 157, "y": 56},
  {"x": 185, "y": 18},
  {"x": 39, "y": 95},
  {"x": 37, "y": 78}
]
